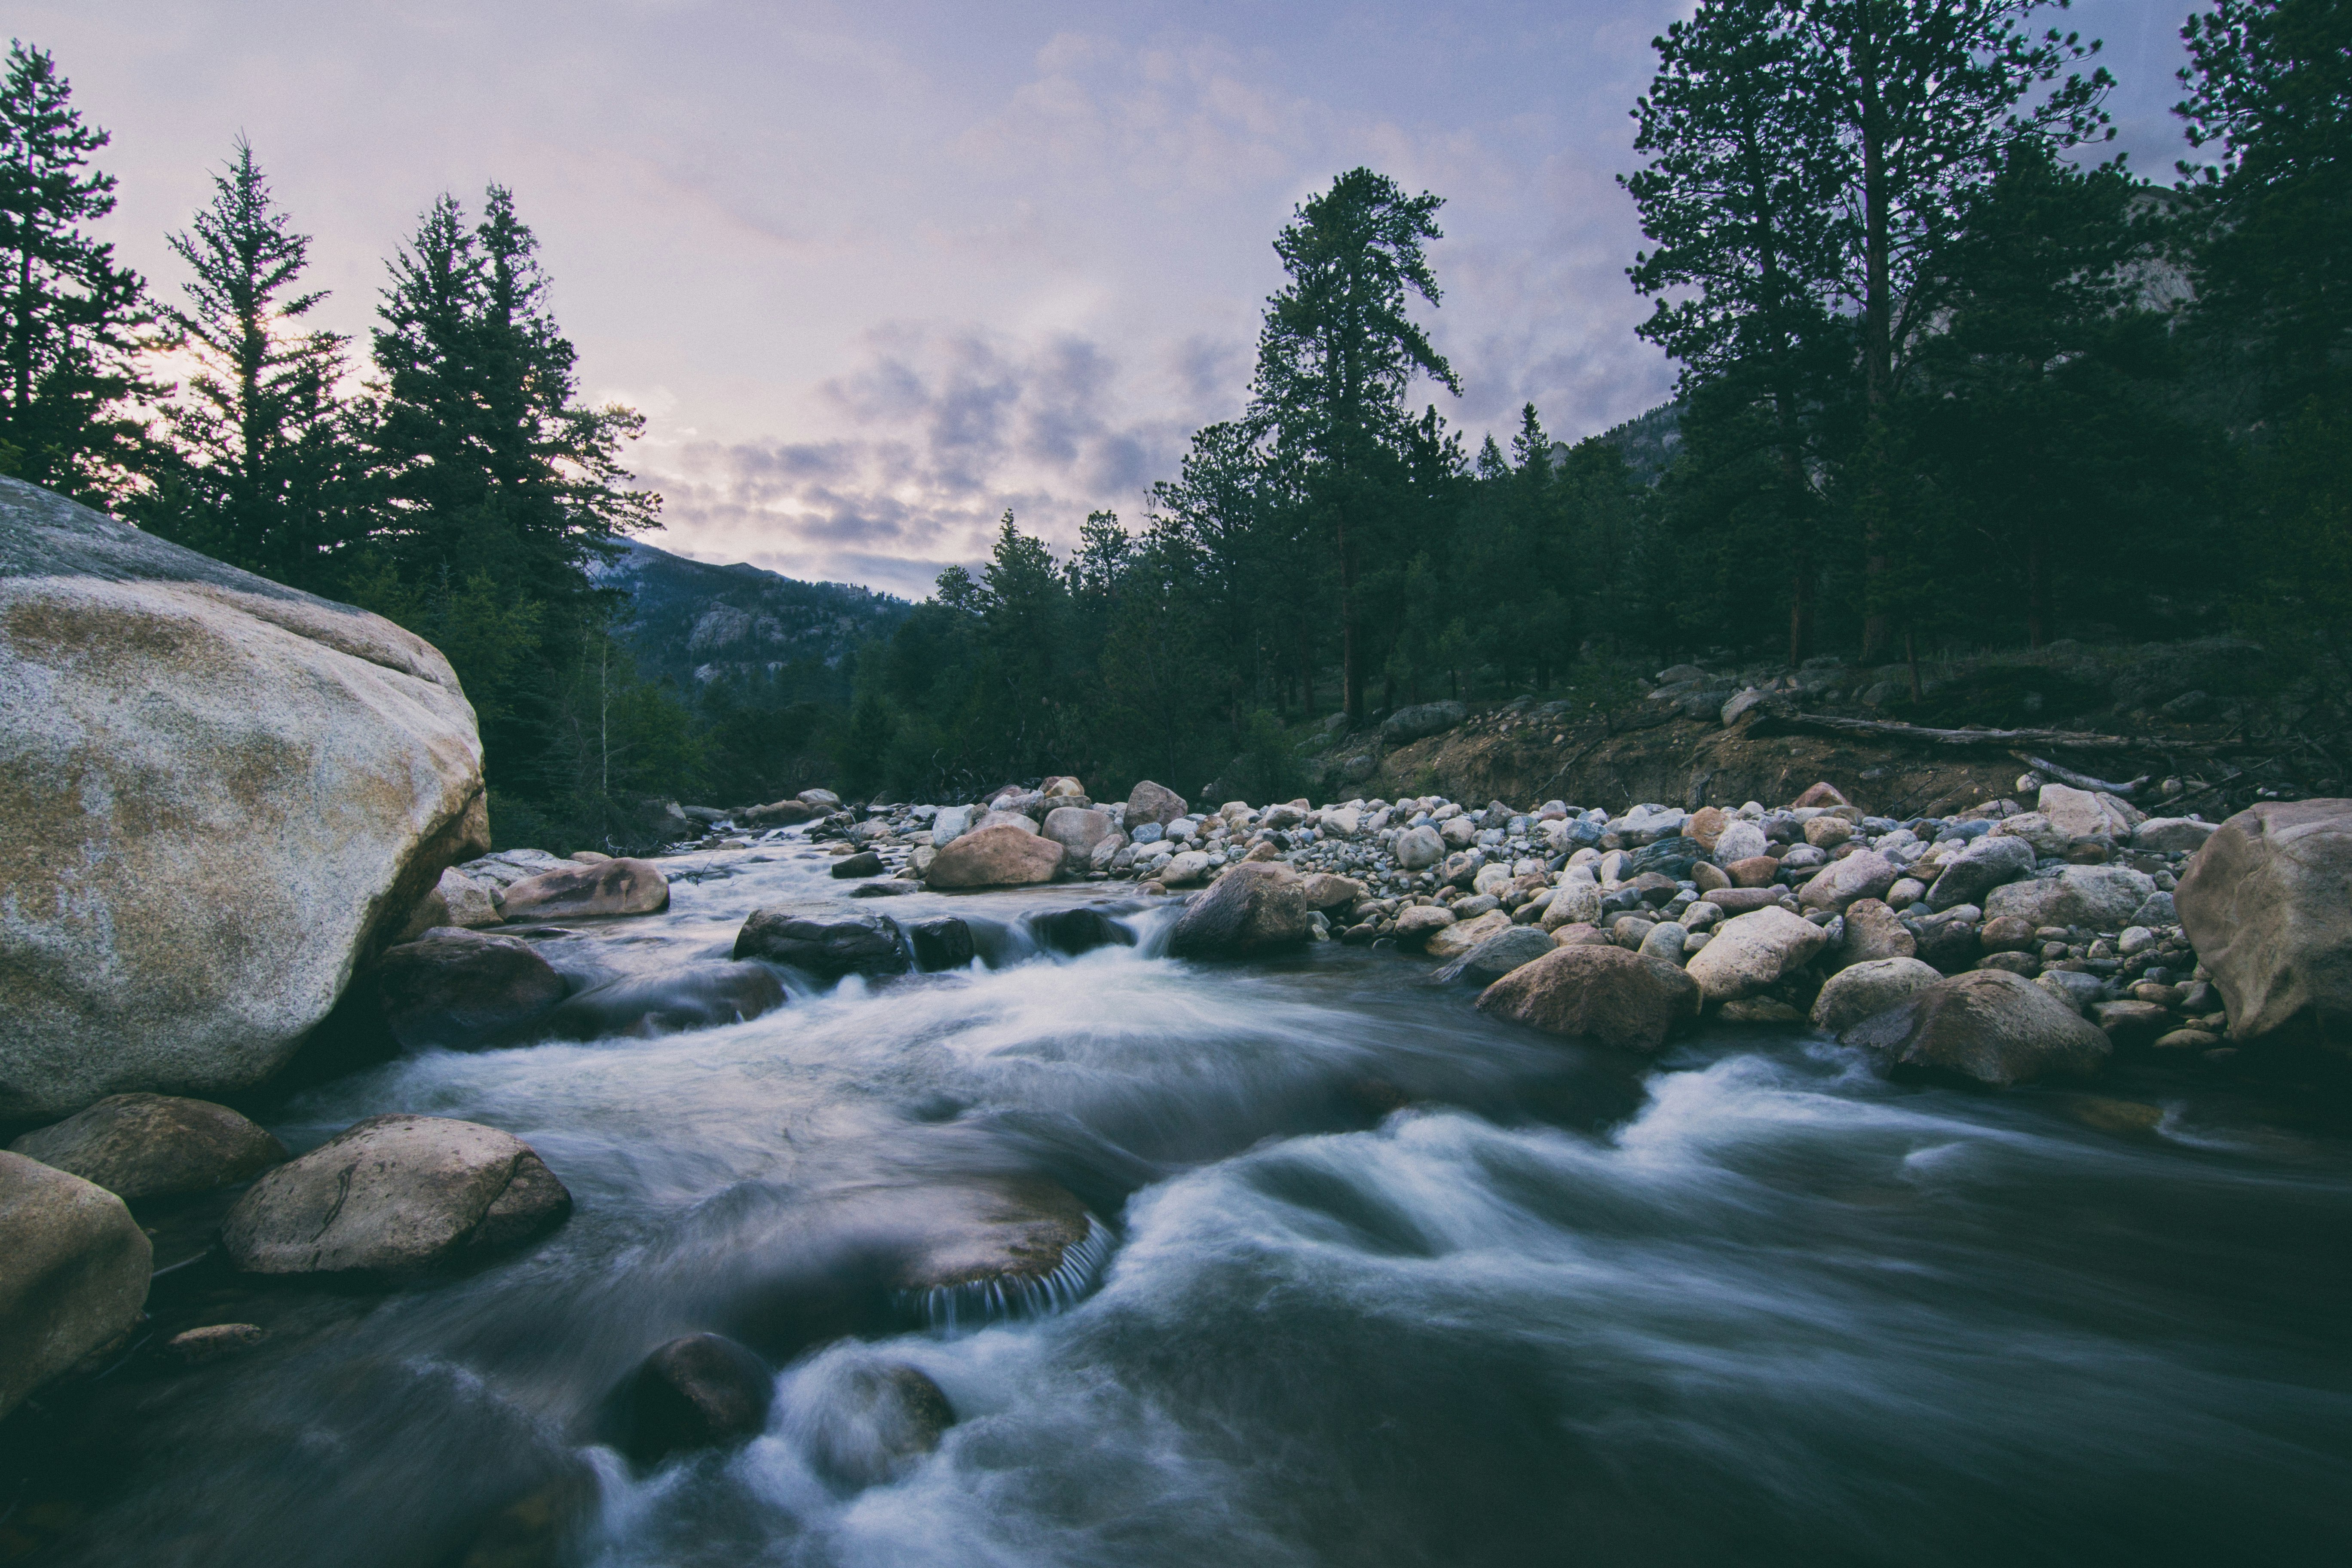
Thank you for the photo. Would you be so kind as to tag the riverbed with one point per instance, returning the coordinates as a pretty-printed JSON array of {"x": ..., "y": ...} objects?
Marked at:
[{"x": 1379, "y": 1281}]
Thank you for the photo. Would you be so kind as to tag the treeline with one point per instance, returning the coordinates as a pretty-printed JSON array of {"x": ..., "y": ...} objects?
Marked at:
[{"x": 1947, "y": 378}]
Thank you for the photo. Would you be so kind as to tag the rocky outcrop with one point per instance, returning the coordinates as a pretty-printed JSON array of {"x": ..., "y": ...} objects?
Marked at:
[
  {"x": 703, "y": 1391},
  {"x": 1604, "y": 995},
  {"x": 997, "y": 857},
  {"x": 823, "y": 946},
  {"x": 217, "y": 794},
  {"x": 1252, "y": 908},
  {"x": 460, "y": 990},
  {"x": 2268, "y": 904},
  {"x": 1987, "y": 1024},
  {"x": 583, "y": 892},
  {"x": 154, "y": 1146},
  {"x": 395, "y": 1195},
  {"x": 74, "y": 1268}
]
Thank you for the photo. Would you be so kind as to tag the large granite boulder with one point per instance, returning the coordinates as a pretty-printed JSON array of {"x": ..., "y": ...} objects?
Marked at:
[
  {"x": 1750, "y": 953},
  {"x": 580, "y": 893},
  {"x": 2099, "y": 898},
  {"x": 154, "y": 1146},
  {"x": 1077, "y": 829},
  {"x": 1873, "y": 986},
  {"x": 1987, "y": 1024},
  {"x": 216, "y": 795},
  {"x": 1149, "y": 802},
  {"x": 1001, "y": 855},
  {"x": 460, "y": 990},
  {"x": 1254, "y": 907},
  {"x": 2267, "y": 903},
  {"x": 395, "y": 1195},
  {"x": 74, "y": 1268},
  {"x": 824, "y": 944},
  {"x": 1606, "y": 994}
]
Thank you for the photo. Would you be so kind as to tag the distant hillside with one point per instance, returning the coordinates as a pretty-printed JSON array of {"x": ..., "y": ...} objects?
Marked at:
[
  {"x": 1649, "y": 442},
  {"x": 692, "y": 622}
]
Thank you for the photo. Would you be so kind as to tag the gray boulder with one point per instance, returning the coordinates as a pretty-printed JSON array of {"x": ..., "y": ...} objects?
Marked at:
[
  {"x": 1407, "y": 724},
  {"x": 1604, "y": 995},
  {"x": 459, "y": 990},
  {"x": 578, "y": 892},
  {"x": 221, "y": 794},
  {"x": 824, "y": 944},
  {"x": 154, "y": 1146},
  {"x": 395, "y": 1195},
  {"x": 1079, "y": 830},
  {"x": 1976, "y": 871},
  {"x": 2100, "y": 898},
  {"x": 951, "y": 824},
  {"x": 1987, "y": 1024},
  {"x": 456, "y": 900},
  {"x": 1874, "y": 985},
  {"x": 1498, "y": 956},
  {"x": 1001, "y": 855},
  {"x": 74, "y": 1268},
  {"x": 1750, "y": 953},
  {"x": 1866, "y": 875},
  {"x": 1149, "y": 802},
  {"x": 2172, "y": 834},
  {"x": 1254, "y": 907},
  {"x": 2267, "y": 903},
  {"x": 1739, "y": 840},
  {"x": 1418, "y": 848},
  {"x": 1871, "y": 931}
]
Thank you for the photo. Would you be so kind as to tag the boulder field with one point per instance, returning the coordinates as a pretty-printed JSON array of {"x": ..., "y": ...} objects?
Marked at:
[{"x": 215, "y": 794}]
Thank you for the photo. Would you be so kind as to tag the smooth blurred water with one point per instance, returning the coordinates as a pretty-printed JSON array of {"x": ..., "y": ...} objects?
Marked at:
[{"x": 1390, "y": 1284}]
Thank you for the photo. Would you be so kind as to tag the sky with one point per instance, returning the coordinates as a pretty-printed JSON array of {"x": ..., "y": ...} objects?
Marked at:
[{"x": 877, "y": 273}]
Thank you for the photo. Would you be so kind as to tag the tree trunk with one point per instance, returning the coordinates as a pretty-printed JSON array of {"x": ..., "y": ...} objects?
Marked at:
[
  {"x": 2037, "y": 590},
  {"x": 1911, "y": 656}
]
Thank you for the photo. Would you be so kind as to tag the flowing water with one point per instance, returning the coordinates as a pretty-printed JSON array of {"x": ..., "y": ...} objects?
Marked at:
[{"x": 1379, "y": 1282}]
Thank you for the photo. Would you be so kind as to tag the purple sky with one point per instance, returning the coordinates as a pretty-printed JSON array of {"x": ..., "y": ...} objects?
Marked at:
[{"x": 875, "y": 273}]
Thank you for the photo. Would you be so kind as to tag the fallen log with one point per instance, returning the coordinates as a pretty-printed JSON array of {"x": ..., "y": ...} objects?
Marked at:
[
  {"x": 2080, "y": 781},
  {"x": 2005, "y": 739}
]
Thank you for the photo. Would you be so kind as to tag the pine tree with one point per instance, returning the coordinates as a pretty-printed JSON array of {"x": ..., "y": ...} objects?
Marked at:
[
  {"x": 71, "y": 321},
  {"x": 264, "y": 468},
  {"x": 1335, "y": 357}
]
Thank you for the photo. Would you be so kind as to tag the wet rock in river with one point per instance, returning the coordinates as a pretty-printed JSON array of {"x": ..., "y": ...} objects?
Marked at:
[
  {"x": 1078, "y": 930},
  {"x": 1600, "y": 994},
  {"x": 1498, "y": 956},
  {"x": 155, "y": 1145},
  {"x": 830, "y": 948},
  {"x": 695, "y": 996},
  {"x": 865, "y": 863},
  {"x": 703, "y": 1390},
  {"x": 1457, "y": 939},
  {"x": 1252, "y": 908},
  {"x": 998, "y": 1248},
  {"x": 870, "y": 1420},
  {"x": 941, "y": 943},
  {"x": 74, "y": 1268},
  {"x": 459, "y": 990},
  {"x": 395, "y": 1195},
  {"x": 213, "y": 1341},
  {"x": 576, "y": 892},
  {"x": 1987, "y": 1024}
]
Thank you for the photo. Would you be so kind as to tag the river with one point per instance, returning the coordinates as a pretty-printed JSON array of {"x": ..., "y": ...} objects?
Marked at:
[{"x": 1382, "y": 1282}]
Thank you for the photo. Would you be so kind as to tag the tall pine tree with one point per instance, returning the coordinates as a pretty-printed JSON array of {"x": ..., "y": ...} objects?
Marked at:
[{"x": 71, "y": 321}]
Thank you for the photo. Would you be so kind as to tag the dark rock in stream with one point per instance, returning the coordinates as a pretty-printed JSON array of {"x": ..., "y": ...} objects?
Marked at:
[
  {"x": 698, "y": 997},
  {"x": 830, "y": 948},
  {"x": 1079, "y": 931},
  {"x": 459, "y": 990},
  {"x": 865, "y": 863},
  {"x": 875, "y": 1421},
  {"x": 941, "y": 943},
  {"x": 155, "y": 1145},
  {"x": 703, "y": 1391},
  {"x": 1000, "y": 1249},
  {"x": 1254, "y": 907},
  {"x": 395, "y": 1195},
  {"x": 74, "y": 1269}
]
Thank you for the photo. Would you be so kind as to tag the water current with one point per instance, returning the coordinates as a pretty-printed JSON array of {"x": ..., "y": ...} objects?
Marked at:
[{"x": 1382, "y": 1282}]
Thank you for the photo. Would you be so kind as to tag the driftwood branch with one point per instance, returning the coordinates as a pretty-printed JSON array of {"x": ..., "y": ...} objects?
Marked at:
[
  {"x": 2005, "y": 739},
  {"x": 2080, "y": 781}
]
